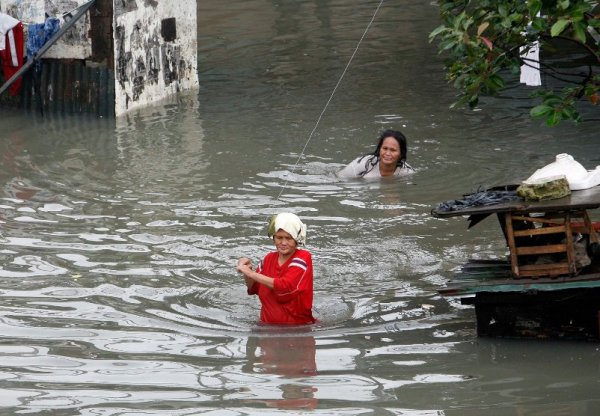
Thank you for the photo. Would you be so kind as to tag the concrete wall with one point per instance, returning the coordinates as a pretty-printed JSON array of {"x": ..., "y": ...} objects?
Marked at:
[{"x": 155, "y": 45}]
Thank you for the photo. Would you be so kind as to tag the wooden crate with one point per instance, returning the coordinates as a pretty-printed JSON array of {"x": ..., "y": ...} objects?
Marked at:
[{"x": 533, "y": 236}]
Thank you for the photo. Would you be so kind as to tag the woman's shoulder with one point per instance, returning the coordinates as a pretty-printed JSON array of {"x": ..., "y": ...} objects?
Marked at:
[
  {"x": 357, "y": 167},
  {"x": 270, "y": 256},
  {"x": 302, "y": 253},
  {"x": 403, "y": 170}
]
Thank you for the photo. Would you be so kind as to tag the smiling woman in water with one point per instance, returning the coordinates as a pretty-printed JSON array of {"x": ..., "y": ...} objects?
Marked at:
[{"x": 388, "y": 159}]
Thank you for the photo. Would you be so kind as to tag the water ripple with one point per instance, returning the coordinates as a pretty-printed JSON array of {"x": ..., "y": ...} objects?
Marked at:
[{"x": 119, "y": 239}]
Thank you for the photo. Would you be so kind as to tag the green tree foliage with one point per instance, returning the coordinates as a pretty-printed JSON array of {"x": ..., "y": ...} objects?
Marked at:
[{"x": 484, "y": 41}]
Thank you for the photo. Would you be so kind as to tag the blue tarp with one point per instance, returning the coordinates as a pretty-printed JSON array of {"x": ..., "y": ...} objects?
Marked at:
[{"x": 37, "y": 36}]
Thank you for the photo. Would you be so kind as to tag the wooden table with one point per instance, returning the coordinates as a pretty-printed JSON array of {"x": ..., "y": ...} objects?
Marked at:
[{"x": 538, "y": 233}]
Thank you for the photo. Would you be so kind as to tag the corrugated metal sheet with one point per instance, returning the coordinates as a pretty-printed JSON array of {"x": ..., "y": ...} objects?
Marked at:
[{"x": 67, "y": 87}]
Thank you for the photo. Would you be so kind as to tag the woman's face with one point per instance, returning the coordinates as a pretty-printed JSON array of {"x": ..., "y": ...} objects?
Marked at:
[
  {"x": 389, "y": 153},
  {"x": 284, "y": 242}
]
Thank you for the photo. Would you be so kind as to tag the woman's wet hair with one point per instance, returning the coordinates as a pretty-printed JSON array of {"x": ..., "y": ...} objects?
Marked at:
[{"x": 401, "y": 142}]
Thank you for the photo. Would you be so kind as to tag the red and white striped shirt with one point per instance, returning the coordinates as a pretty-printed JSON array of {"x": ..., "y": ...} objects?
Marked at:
[{"x": 290, "y": 300}]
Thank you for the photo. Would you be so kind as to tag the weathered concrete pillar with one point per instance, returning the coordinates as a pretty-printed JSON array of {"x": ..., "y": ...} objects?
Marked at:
[
  {"x": 155, "y": 50},
  {"x": 123, "y": 54}
]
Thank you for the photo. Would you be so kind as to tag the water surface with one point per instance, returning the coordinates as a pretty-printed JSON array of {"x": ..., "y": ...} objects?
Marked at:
[{"x": 118, "y": 294}]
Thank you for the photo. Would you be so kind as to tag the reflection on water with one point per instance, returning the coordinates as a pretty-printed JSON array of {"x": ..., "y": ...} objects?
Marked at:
[
  {"x": 292, "y": 358},
  {"x": 118, "y": 239}
]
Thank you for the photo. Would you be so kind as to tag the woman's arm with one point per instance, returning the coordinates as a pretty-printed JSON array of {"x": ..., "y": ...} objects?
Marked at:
[{"x": 244, "y": 266}]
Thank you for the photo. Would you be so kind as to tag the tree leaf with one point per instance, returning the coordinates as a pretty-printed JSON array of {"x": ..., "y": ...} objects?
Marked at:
[
  {"x": 446, "y": 44},
  {"x": 497, "y": 81},
  {"x": 534, "y": 6},
  {"x": 579, "y": 30},
  {"x": 539, "y": 24},
  {"x": 437, "y": 31},
  {"x": 483, "y": 40},
  {"x": 487, "y": 42},
  {"x": 540, "y": 110},
  {"x": 564, "y": 4},
  {"x": 553, "y": 119},
  {"x": 568, "y": 113},
  {"x": 482, "y": 27},
  {"x": 553, "y": 102},
  {"x": 559, "y": 27}
]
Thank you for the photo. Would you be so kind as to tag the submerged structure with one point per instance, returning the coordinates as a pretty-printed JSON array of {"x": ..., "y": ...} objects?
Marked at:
[
  {"x": 103, "y": 57},
  {"x": 549, "y": 284}
]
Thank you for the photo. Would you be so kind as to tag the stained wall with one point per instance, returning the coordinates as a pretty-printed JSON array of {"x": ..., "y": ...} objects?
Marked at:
[
  {"x": 151, "y": 45},
  {"x": 155, "y": 50}
]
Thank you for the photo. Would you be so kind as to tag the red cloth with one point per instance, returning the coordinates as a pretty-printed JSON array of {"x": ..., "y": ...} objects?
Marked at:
[
  {"x": 290, "y": 300},
  {"x": 12, "y": 57}
]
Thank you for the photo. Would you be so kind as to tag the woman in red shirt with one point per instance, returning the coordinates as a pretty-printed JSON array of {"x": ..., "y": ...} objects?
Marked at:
[{"x": 283, "y": 281}]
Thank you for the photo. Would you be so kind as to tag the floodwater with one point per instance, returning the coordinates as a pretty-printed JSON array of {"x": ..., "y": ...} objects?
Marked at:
[{"x": 118, "y": 238}]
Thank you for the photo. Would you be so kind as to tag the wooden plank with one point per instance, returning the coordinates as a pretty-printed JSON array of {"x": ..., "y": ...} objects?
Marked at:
[
  {"x": 539, "y": 231},
  {"x": 581, "y": 229},
  {"x": 545, "y": 249},
  {"x": 558, "y": 215},
  {"x": 510, "y": 239},
  {"x": 590, "y": 228},
  {"x": 485, "y": 270},
  {"x": 550, "y": 269},
  {"x": 570, "y": 246},
  {"x": 538, "y": 220},
  {"x": 459, "y": 288},
  {"x": 545, "y": 266},
  {"x": 484, "y": 275},
  {"x": 529, "y": 281}
]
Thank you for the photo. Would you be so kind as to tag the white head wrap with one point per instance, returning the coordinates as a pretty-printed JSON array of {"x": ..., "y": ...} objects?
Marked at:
[{"x": 291, "y": 224}]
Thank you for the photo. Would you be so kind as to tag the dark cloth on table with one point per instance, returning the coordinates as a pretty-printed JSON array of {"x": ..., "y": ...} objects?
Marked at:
[{"x": 479, "y": 198}]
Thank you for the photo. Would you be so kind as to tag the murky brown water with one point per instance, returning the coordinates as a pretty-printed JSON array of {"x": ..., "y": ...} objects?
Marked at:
[{"x": 118, "y": 294}]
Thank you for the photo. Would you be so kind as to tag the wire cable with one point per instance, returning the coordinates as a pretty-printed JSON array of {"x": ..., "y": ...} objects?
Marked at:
[{"x": 330, "y": 98}]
